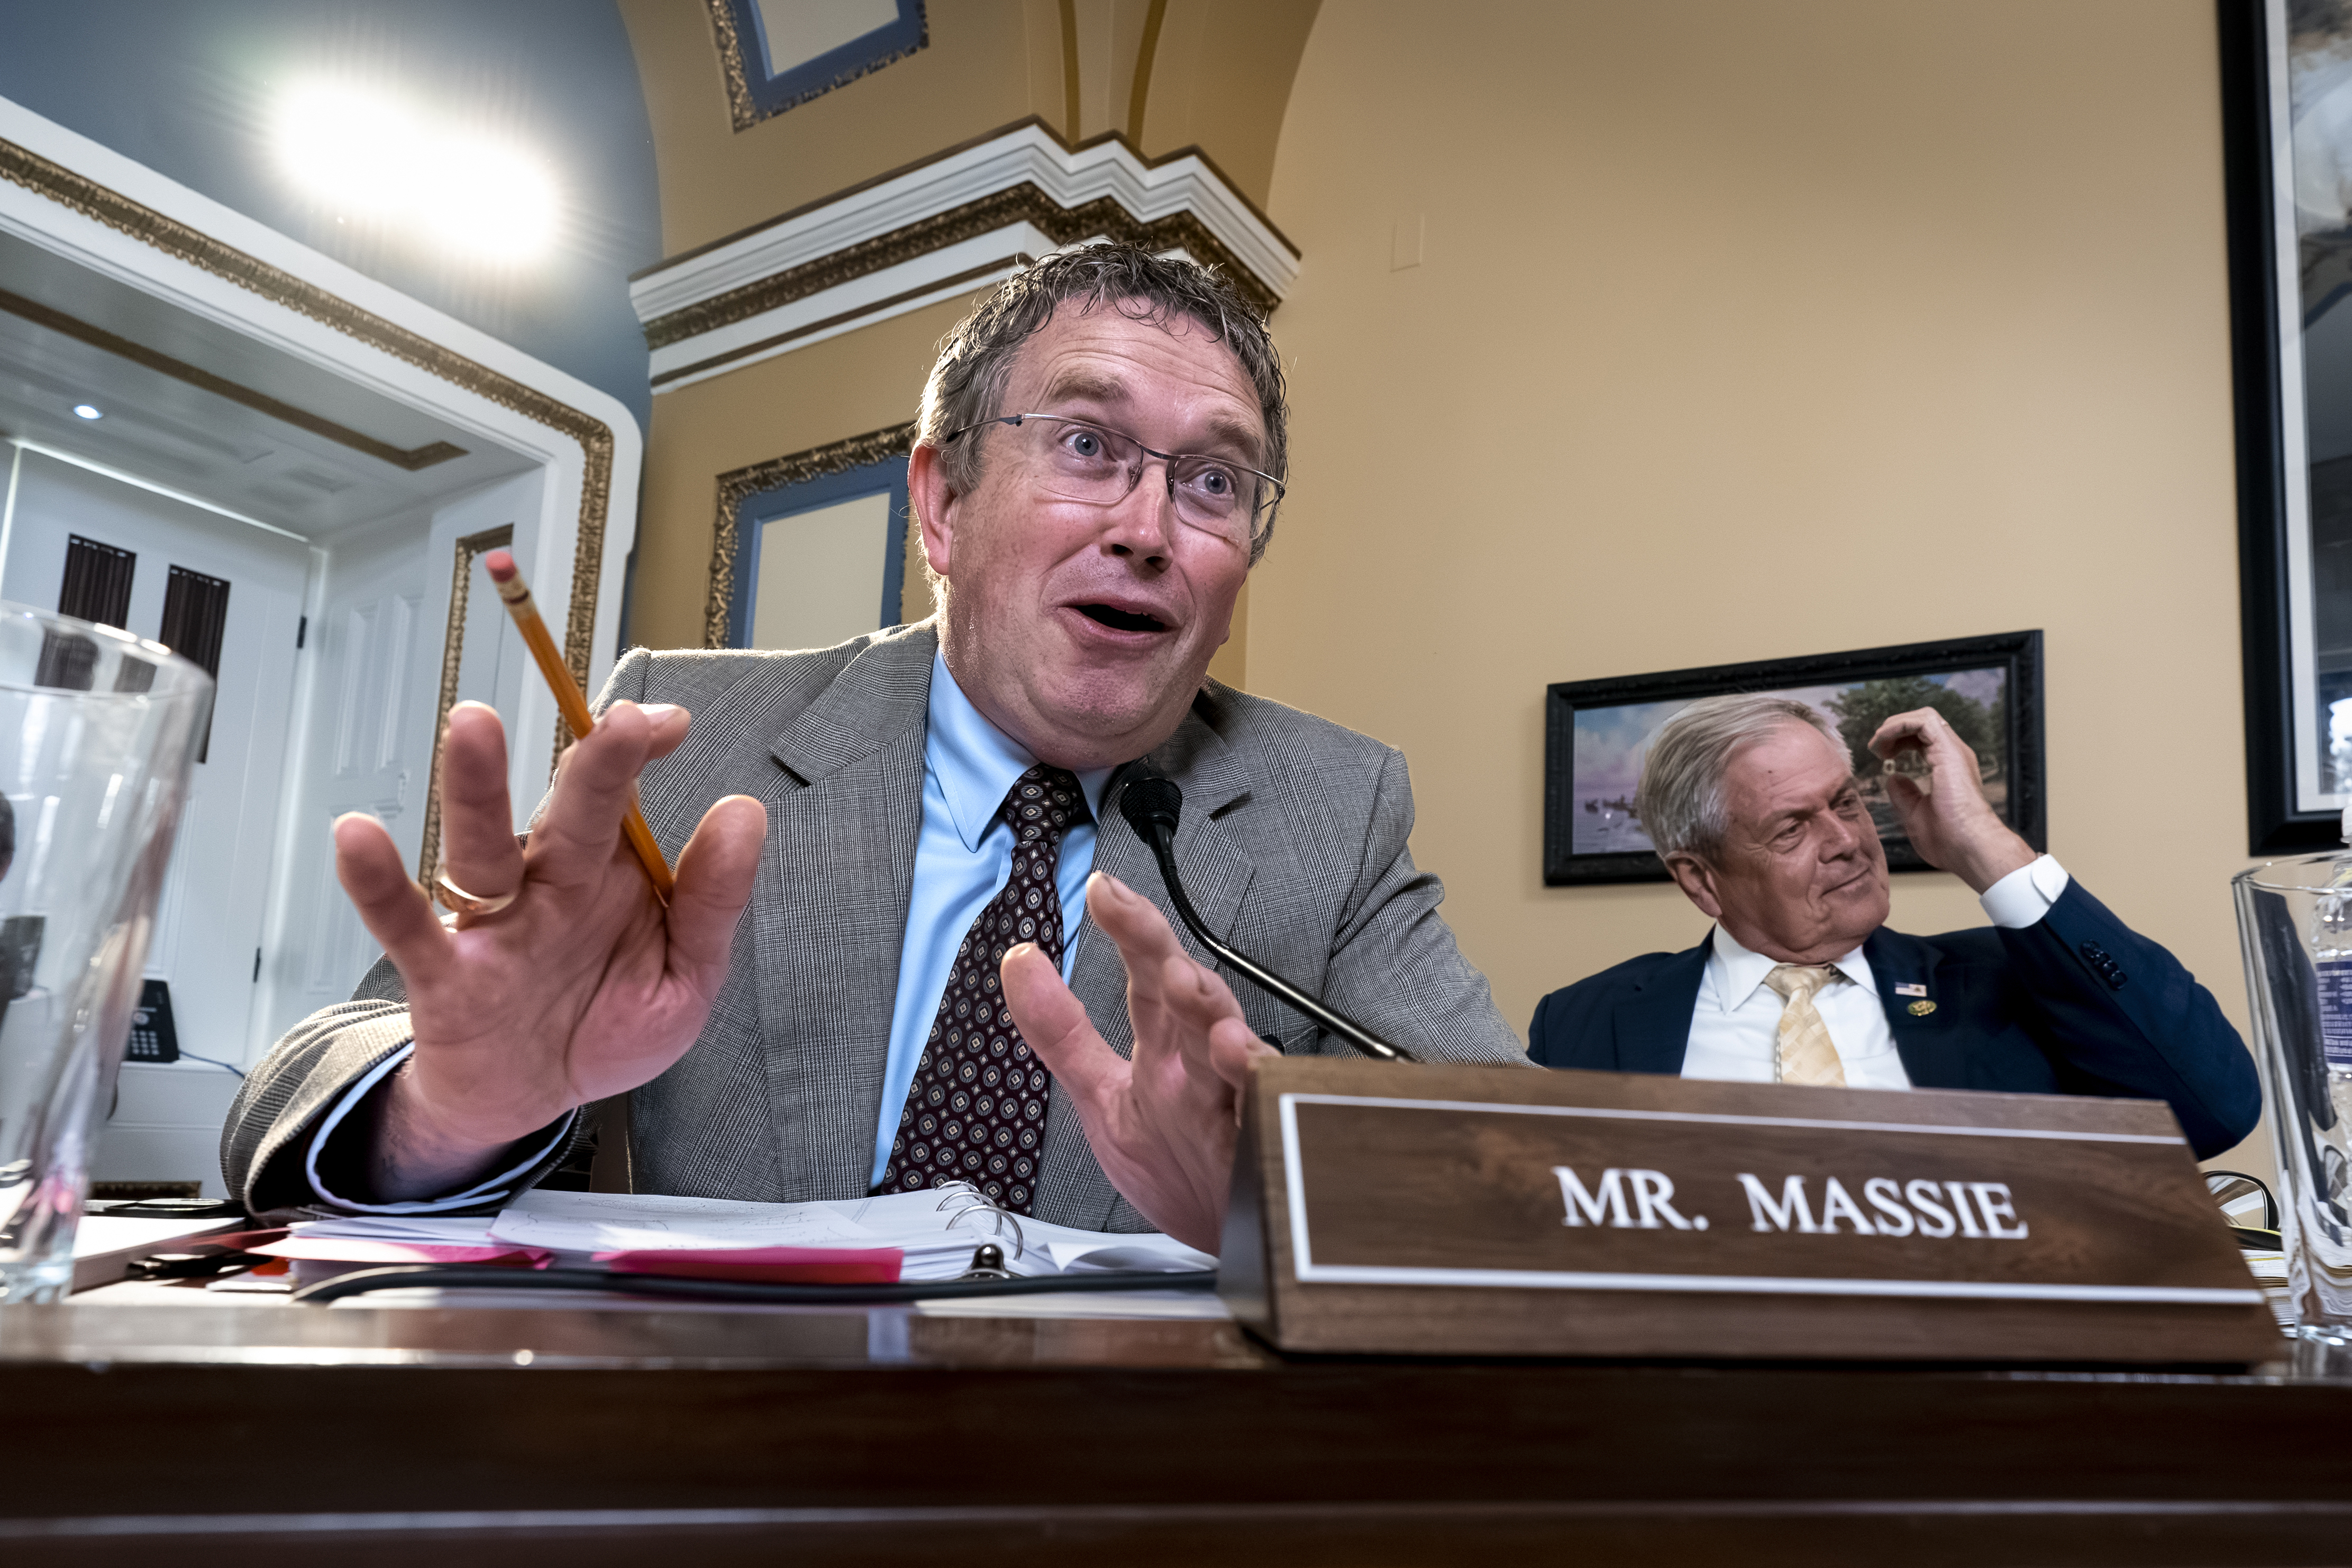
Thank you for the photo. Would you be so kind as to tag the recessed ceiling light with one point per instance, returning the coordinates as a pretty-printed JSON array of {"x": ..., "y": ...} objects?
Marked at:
[
  {"x": 366, "y": 154},
  {"x": 88, "y": 411}
]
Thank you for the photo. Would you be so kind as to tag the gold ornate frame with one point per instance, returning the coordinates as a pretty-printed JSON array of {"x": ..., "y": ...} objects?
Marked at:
[
  {"x": 738, "y": 485},
  {"x": 740, "y": 107},
  {"x": 453, "y": 658},
  {"x": 22, "y": 166}
]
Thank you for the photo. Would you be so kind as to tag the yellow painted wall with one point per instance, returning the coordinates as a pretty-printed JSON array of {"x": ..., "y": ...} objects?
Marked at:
[
  {"x": 1750, "y": 330},
  {"x": 1217, "y": 76},
  {"x": 843, "y": 387}
]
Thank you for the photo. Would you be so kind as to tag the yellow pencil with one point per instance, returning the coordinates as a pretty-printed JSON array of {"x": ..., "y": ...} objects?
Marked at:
[{"x": 507, "y": 577}]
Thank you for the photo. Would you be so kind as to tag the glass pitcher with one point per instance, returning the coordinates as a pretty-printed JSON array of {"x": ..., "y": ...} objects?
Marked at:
[{"x": 96, "y": 729}]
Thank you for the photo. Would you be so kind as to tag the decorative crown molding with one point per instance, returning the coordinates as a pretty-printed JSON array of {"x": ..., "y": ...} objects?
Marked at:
[
  {"x": 956, "y": 222},
  {"x": 738, "y": 485},
  {"x": 412, "y": 458}
]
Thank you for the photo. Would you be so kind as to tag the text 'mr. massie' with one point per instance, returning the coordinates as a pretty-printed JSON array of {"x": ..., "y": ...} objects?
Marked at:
[{"x": 1630, "y": 1199}]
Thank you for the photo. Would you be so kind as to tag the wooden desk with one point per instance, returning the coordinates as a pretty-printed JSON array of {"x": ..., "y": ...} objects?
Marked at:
[{"x": 620, "y": 1437}]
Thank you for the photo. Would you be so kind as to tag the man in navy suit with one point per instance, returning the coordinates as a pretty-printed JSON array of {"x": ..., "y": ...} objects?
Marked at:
[{"x": 1753, "y": 805}]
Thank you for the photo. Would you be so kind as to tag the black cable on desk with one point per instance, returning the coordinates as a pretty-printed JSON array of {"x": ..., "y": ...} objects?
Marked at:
[
  {"x": 212, "y": 1062},
  {"x": 486, "y": 1277}
]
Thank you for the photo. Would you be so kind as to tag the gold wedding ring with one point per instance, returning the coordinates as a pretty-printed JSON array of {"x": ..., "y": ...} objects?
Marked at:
[{"x": 456, "y": 900}]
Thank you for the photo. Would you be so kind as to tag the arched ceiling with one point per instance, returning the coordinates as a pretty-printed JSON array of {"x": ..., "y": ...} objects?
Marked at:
[{"x": 1162, "y": 75}]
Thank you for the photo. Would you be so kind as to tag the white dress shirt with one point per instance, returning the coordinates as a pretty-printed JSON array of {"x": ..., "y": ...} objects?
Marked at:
[{"x": 1735, "y": 1026}]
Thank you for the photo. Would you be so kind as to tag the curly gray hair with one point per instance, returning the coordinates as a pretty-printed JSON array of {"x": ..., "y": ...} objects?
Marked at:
[
  {"x": 1680, "y": 797},
  {"x": 967, "y": 384}
]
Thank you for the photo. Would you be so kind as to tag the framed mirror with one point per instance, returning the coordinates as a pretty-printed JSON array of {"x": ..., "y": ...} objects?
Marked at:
[{"x": 2287, "y": 122}]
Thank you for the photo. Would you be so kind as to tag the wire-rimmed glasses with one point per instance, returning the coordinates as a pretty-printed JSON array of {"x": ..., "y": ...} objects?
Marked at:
[{"x": 1078, "y": 459}]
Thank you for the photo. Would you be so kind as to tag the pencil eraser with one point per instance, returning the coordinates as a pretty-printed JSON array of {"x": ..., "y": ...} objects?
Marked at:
[{"x": 499, "y": 564}]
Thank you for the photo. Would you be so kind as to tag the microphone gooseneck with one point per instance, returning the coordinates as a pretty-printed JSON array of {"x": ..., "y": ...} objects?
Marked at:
[{"x": 1152, "y": 806}]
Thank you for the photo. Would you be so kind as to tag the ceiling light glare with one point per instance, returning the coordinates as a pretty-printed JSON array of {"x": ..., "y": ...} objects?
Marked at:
[
  {"x": 88, "y": 411},
  {"x": 367, "y": 154}
]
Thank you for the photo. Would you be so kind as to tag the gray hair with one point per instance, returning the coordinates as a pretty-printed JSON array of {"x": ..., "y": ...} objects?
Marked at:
[
  {"x": 1680, "y": 797},
  {"x": 967, "y": 384}
]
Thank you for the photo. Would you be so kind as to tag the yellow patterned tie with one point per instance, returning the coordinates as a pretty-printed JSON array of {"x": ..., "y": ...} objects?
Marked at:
[{"x": 1807, "y": 1054}]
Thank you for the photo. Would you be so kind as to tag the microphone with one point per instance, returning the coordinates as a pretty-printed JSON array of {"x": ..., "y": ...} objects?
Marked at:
[{"x": 1152, "y": 805}]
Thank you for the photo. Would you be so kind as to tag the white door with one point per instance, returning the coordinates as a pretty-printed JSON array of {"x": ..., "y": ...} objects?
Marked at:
[
  {"x": 369, "y": 749},
  {"x": 208, "y": 930},
  {"x": 380, "y": 643}
]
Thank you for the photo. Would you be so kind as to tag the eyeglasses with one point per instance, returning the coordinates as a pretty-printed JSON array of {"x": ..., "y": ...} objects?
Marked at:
[{"x": 1078, "y": 460}]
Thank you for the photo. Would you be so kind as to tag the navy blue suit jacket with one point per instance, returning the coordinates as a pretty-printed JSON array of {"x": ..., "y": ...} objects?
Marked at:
[{"x": 2076, "y": 1004}]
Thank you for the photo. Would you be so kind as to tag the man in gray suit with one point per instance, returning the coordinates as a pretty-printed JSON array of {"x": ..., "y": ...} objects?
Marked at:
[{"x": 911, "y": 818}]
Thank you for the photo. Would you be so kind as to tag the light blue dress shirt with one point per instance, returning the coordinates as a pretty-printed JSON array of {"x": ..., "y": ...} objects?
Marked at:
[{"x": 963, "y": 856}]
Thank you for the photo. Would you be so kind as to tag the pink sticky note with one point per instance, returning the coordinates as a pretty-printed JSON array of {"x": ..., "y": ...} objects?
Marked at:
[
  {"x": 353, "y": 1249},
  {"x": 778, "y": 1265}
]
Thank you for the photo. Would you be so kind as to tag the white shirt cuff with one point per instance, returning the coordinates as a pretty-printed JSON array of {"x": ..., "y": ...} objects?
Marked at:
[
  {"x": 486, "y": 1191},
  {"x": 2024, "y": 896}
]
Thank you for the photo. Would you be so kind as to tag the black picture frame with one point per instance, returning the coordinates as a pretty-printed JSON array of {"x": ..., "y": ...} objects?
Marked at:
[
  {"x": 2275, "y": 823},
  {"x": 2016, "y": 655}
]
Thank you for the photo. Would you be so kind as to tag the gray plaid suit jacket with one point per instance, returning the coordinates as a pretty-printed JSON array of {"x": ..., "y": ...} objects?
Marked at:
[{"x": 1293, "y": 847}]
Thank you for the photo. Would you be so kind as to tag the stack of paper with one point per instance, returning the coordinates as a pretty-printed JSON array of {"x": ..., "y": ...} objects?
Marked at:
[
  {"x": 424, "y": 1229},
  {"x": 936, "y": 1231},
  {"x": 2269, "y": 1269},
  {"x": 319, "y": 1250}
]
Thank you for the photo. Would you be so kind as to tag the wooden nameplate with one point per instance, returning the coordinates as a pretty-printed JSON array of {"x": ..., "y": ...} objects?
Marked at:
[{"x": 1385, "y": 1209}]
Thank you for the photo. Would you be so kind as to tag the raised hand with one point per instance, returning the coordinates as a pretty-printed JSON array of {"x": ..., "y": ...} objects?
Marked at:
[
  {"x": 1162, "y": 1124},
  {"x": 582, "y": 986},
  {"x": 1949, "y": 822}
]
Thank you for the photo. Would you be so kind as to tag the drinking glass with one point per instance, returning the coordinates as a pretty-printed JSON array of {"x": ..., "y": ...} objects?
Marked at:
[{"x": 97, "y": 729}]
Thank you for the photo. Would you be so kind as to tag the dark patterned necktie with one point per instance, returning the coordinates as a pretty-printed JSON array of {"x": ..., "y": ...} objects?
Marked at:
[{"x": 976, "y": 1111}]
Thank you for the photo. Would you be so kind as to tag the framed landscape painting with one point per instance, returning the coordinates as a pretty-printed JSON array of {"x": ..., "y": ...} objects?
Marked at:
[{"x": 1597, "y": 732}]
